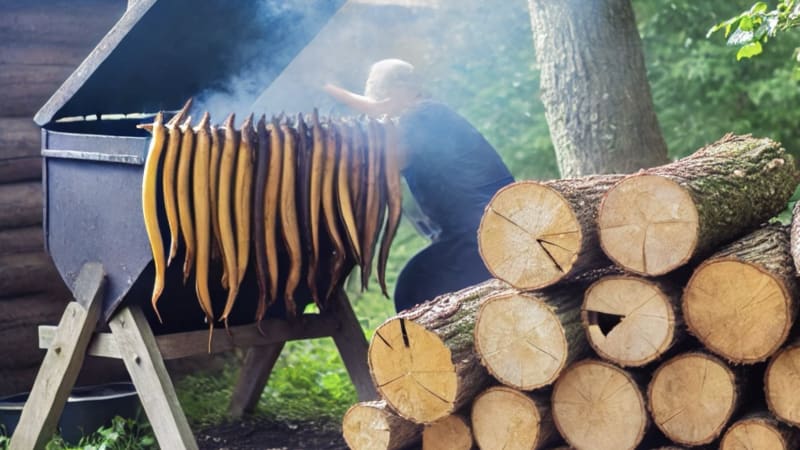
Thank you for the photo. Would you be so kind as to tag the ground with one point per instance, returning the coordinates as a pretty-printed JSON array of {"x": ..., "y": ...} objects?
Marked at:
[{"x": 263, "y": 434}]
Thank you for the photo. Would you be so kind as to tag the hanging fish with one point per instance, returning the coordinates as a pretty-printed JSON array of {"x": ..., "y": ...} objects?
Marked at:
[
  {"x": 329, "y": 208},
  {"x": 394, "y": 198},
  {"x": 185, "y": 196},
  {"x": 343, "y": 192},
  {"x": 168, "y": 188},
  {"x": 202, "y": 219},
  {"x": 259, "y": 229},
  {"x": 226, "y": 208},
  {"x": 288, "y": 219},
  {"x": 149, "y": 209}
]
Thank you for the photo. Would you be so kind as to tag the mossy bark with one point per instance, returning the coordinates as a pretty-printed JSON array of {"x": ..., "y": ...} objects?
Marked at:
[
  {"x": 452, "y": 318},
  {"x": 736, "y": 183}
]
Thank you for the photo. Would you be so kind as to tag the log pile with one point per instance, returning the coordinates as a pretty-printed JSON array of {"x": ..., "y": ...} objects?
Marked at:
[
  {"x": 42, "y": 45},
  {"x": 646, "y": 311}
]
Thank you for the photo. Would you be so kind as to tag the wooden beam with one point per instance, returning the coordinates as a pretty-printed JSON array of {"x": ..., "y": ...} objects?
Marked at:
[
  {"x": 258, "y": 364},
  {"x": 21, "y": 240},
  {"x": 18, "y": 333},
  {"x": 62, "y": 363},
  {"x": 353, "y": 346},
  {"x": 43, "y": 45},
  {"x": 21, "y": 204},
  {"x": 181, "y": 345},
  {"x": 19, "y": 137},
  {"x": 21, "y": 169},
  {"x": 28, "y": 273},
  {"x": 139, "y": 351}
]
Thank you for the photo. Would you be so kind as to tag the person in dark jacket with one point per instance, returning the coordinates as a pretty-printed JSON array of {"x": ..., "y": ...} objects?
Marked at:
[{"x": 451, "y": 171}]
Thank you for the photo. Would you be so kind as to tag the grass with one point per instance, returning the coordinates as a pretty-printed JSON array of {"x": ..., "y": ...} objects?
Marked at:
[{"x": 309, "y": 381}]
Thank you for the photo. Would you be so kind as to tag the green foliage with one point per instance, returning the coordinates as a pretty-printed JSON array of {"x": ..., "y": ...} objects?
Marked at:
[
  {"x": 757, "y": 25},
  {"x": 122, "y": 434},
  {"x": 699, "y": 93}
]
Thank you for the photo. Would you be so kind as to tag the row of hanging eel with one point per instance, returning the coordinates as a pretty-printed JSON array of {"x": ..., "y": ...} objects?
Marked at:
[{"x": 318, "y": 191}]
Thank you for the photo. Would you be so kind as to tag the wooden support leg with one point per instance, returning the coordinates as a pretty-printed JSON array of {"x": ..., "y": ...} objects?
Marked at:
[
  {"x": 353, "y": 345},
  {"x": 258, "y": 364},
  {"x": 62, "y": 363},
  {"x": 142, "y": 358}
]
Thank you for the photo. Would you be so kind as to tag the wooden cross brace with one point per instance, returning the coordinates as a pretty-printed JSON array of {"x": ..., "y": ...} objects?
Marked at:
[{"x": 131, "y": 340}]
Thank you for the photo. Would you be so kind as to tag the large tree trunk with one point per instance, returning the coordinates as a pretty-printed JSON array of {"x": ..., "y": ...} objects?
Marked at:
[
  {"x": 741, "y": 303},
  {"x": 594, "y": 87},
  {"x": 655, "y": 221}
]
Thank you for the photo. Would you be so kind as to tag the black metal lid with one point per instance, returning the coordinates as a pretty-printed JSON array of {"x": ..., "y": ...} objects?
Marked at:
[{"x": 162, "y": 52}]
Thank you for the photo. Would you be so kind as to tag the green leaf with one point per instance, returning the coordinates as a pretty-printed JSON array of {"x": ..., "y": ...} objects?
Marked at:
[
  {"x": 749, "y": 50},
  {"x": 759, "y": 7},
  {"x": 746, "y": 24}
]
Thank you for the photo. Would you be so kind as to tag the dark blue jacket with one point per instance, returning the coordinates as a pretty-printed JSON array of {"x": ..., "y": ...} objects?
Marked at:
[{"x": 452, "y": 172}]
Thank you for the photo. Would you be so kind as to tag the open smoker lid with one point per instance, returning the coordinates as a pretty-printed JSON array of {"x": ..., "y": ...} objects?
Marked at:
[{"x": 162, "y": 52}]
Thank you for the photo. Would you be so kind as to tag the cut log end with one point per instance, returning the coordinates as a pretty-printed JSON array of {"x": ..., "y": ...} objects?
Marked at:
[
  {"x": 504, "y": 418},
  {"x": 737, "y": 310},
  {"x": 782, "y": 385},
  {"x": 753, "y": 434},
  {"x": 452, "y": 432},
  {"x": 413, "y": 371},
  {"x": 521, "y": 341},
  {"x": 599, "y": 406},
  {"x": 629, "y": 321},
  {"x": 648, "y": 224},
  {"x": 371, "y": 426},
  {"x": 692, "y": 397},
  {"x": 529, "y": 236}
]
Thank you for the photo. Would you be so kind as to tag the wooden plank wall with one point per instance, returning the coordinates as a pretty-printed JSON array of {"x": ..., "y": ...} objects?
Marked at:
[{"x": 42, "y": 43}]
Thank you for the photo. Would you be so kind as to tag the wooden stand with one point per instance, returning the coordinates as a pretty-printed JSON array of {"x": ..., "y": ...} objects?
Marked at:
[{"x": 131, "y": 339}]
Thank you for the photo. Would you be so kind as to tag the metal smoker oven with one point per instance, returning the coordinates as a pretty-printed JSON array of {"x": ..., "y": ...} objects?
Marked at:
[{"x": 159, "y": 54}]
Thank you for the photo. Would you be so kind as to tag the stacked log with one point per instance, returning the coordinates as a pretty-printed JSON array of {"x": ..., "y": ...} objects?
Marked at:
[
  {"x": 624, "y": 301},
  {"x": 42, "y": 45}
]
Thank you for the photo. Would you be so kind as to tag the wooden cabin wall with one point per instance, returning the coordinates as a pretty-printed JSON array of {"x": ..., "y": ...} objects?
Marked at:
[{"x": 41, "y": 44}]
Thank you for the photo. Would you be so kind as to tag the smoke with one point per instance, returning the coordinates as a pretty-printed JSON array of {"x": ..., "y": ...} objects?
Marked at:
[{"x": 453, "y": 43}]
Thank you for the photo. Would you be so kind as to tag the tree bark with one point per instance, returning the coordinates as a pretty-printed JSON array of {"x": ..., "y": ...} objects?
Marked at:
[
  {"x": 373, "y": 426},
  {"x": 599, "y": 406},
  {"x": 794, "y": 237},
  {"x": 692, "y": 397},
  {"x": 632, "y": 321},
  {"x": 782, "y": 384},
  {"x": 594, "y": 87},
  {"x": 504, "y": 418},
  {"x": 453, "y": 432},
  {"x": 526, "y": 340},
  {"x": 423, "y": 361},
  {"x": 759, "y": 430},
  {"x": 535, "y": 234},
  {"x": 657, "y": 220},
  {"x": 742, "y": 302}
]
